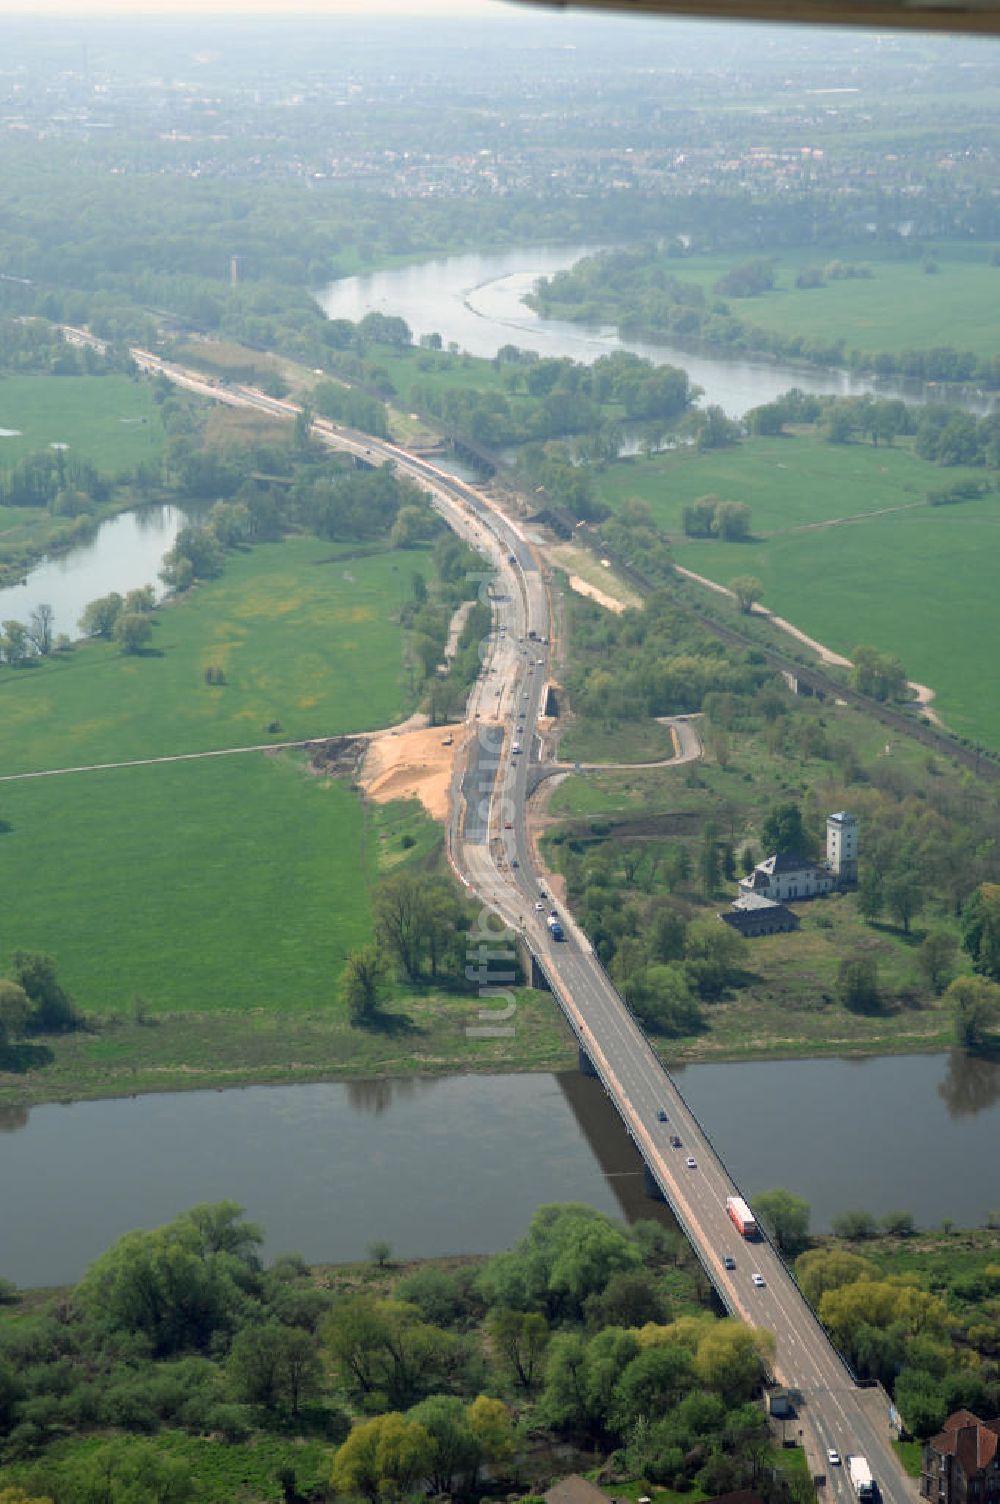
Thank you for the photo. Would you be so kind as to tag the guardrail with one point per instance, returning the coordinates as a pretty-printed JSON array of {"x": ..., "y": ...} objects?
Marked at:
[{"x": 556, "y": 989}]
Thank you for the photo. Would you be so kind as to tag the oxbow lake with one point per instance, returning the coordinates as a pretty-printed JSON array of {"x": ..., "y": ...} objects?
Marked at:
[{"x": 124, "y": 553}]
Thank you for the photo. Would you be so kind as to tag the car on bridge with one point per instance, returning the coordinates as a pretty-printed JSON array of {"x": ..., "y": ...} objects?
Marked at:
[
  {"x": 675, "y": 1142},
  {"x": 729, "y": 1262},
  {"x": 692, "y": 1163},
  {"x": 759, "y": 1281},
  {"x": 661, "y": 1116}
]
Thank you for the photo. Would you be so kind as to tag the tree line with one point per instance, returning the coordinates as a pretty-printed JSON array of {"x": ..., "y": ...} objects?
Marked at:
[
  {"x": 641, "y": 289},
  {"x": 420, "y": 1380}
]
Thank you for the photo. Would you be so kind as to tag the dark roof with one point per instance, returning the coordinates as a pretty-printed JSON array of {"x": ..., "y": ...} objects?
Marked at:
[
  {"x": 790, "y": 861},
  {"x": 751, "y": 921},
  {"x": 971, "y": 1441}
]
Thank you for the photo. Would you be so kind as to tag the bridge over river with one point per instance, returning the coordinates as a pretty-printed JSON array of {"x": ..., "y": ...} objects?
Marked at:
[{"x": 490, "y": 793}]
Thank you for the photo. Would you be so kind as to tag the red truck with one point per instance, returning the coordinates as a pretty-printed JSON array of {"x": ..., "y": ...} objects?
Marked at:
[{"x": 741, "y": 1215}]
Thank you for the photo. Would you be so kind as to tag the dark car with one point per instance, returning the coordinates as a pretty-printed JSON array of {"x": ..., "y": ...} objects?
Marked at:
[
  {"x": 661, "y": 1116},
  {"x": 675, "y": 1142},
  {"x": 729, "y": 1261}
]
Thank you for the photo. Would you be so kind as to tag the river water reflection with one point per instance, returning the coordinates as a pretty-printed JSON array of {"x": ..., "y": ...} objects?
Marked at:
[
  {"x": 459, "y": 1164},
  {"x": 475, "y": 300}
]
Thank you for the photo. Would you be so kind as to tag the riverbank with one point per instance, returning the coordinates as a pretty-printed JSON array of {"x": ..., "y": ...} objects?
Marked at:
[
  {"x": 427, "y": 1035},
  {"x": 857, "y": 310}
]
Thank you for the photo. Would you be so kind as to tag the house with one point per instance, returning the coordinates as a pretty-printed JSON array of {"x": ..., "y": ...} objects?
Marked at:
[
  {"x": 961, "y": 1465},
  {"x": 787, "y": 877},
  {"x": 752, "y": 914}
]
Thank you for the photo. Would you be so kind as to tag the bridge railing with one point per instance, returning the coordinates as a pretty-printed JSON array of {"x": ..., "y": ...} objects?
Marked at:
[
  {"x": 734, "y": 1183},
  {"x": 689, "y": 1233},
  {"x": 556, "y": 987}
]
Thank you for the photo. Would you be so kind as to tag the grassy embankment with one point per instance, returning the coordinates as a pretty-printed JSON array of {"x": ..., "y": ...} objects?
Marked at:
[
  {"x": 632, "y": 742},
  {"x": 96, "y": 417},
  {"x": 223, "y": 893},
  {"x": 917, "y": 581},
  {"x": 788, "y": 1006},
  {"x": 900, "y": 307}
]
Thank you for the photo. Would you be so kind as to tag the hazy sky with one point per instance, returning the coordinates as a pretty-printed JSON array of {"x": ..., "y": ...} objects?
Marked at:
[{"x": 476, "y": 8}]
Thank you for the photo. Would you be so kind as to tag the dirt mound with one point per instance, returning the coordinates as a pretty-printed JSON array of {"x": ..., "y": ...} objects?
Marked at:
[
  {"x": 413, "y": 765},
  {"x": 338, "y": 756}
]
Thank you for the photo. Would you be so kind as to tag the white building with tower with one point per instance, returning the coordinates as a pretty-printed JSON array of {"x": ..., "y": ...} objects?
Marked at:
[{"x": 788, "y": 877}]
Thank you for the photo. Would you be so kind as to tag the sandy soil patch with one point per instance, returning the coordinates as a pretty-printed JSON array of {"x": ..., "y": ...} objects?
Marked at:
[
  {"x": 588, "y": 577},
  {"x": 584, "y": 587},
  {"x": 413, "y": 764}
]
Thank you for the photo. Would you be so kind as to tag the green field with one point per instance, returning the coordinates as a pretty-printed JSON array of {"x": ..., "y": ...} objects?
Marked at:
[
  {"x": 228, "y": 883},
  {"x": 900, "y": 307},
  {"x": 631, "y": 742},
  {"x": 920, "y": 584},
  {"x": 225, "y": 894},
  {"x": 787, "y": 482},
  {"x": 112, "y": 421},
  {"x": 307, "y": 636},
  {"x": 917, "y": 581}
]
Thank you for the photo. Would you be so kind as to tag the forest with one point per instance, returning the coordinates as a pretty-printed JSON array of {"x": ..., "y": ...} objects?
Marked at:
[{"x": 378, "y": 1382}]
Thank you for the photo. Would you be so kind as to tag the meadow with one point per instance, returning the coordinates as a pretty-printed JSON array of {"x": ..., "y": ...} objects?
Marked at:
[
  {"x": 887, "y": 580},
  {"x": 305, "y": 633},
  {"x": 789, "y": 481},
  {"x": 200, "y": 914},
  {"x": 223, "y": 884},
  {"x": 899, "y": 307},
  {"x": 112, "y": 421},
  {"x": 919, "y": 584}
]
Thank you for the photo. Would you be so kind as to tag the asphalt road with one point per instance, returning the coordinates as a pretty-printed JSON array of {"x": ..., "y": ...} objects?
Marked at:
[{"x": 496, "y": 862}]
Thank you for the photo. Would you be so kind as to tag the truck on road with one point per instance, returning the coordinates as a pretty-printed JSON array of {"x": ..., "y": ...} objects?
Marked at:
[
  {"x": 861, "y": 1480},
  {"x": 555, "y": 928},
  {"x": 742, "y": 1216}
]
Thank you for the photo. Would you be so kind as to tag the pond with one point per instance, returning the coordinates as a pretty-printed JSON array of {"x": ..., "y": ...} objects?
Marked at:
[{"x": 124, "y": 553}]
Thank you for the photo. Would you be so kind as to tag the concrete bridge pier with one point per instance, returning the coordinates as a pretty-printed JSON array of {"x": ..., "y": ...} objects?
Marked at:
[
  {"x": 651, "y": 1186},
  {"x": 529, "y": 965},
  {"x": 587, "y": 1066}
]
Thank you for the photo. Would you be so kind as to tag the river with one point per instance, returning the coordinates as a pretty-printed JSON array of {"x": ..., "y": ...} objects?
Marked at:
[
  {"x": 476, "y": 300},
  {"x": 124, "y": 553},
  {"x": 459, "y": 1164}
]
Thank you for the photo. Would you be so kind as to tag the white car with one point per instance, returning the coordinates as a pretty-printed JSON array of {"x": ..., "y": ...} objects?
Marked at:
[
  {"x": 833, "y": 1457},
  {"x": 692, "y": 1163},
  {"x": 539, "y": 906},
  {"x": 759, "y": 1281}
]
